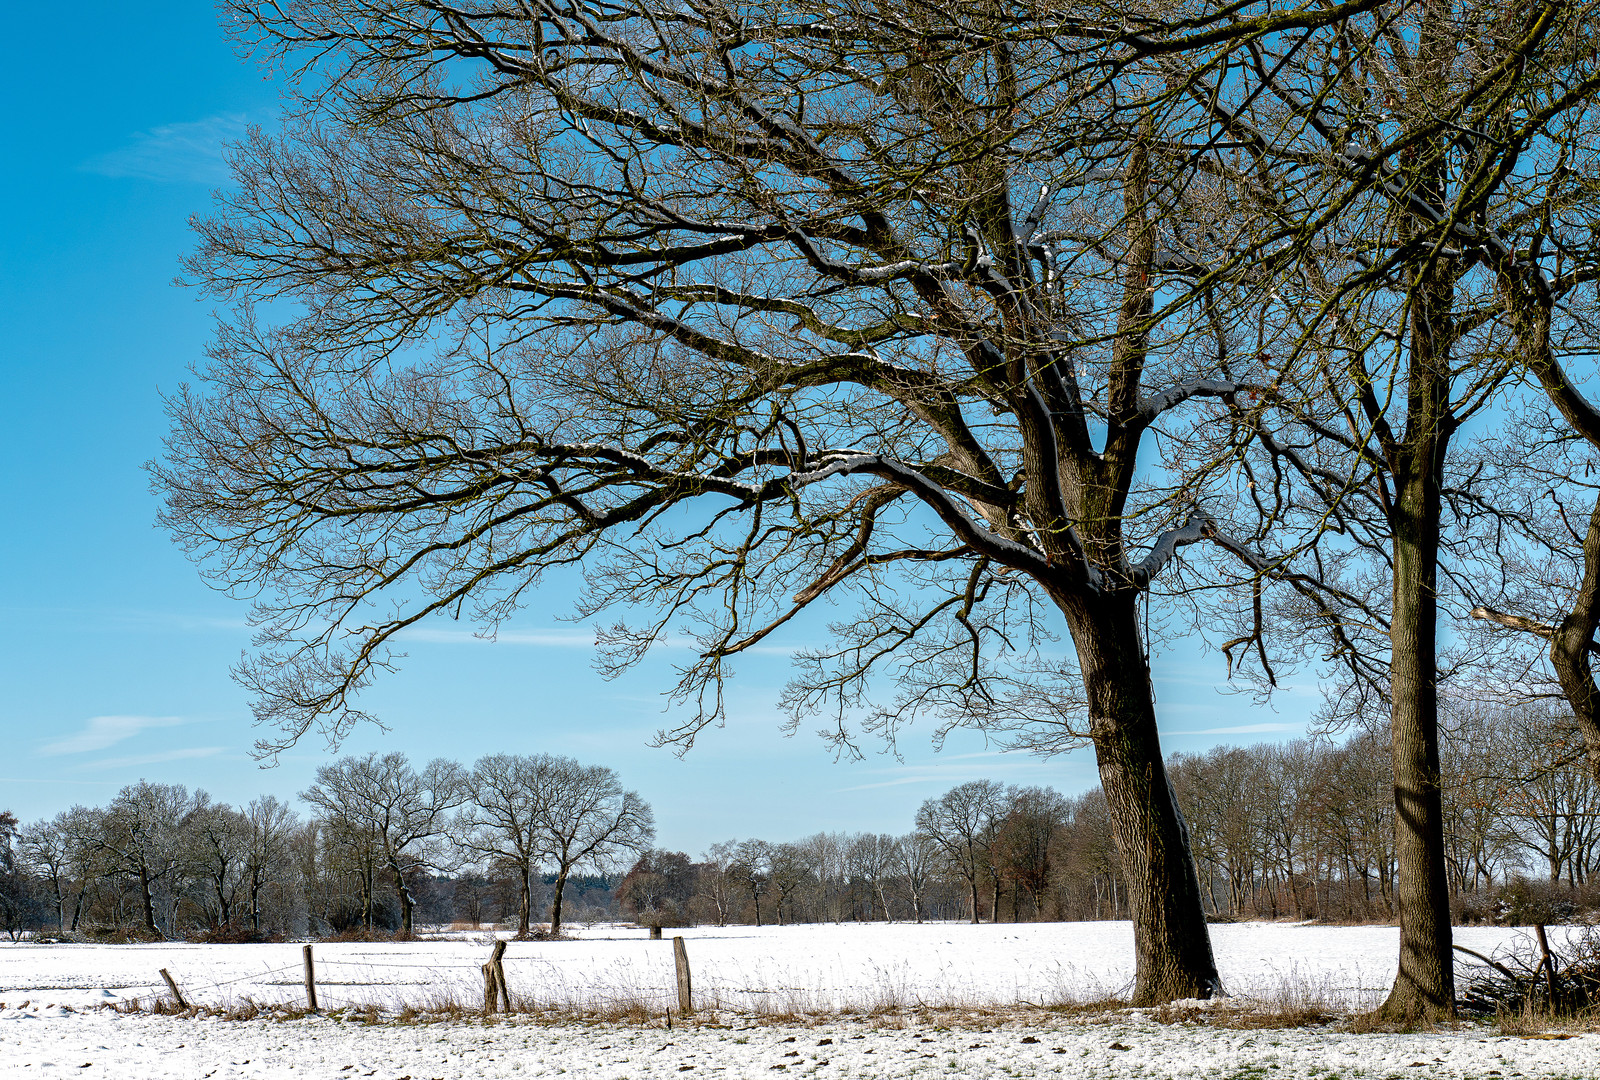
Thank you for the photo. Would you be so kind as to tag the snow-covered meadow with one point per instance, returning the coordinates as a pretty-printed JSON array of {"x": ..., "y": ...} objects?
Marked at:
[{"x": 821, "y": 970}]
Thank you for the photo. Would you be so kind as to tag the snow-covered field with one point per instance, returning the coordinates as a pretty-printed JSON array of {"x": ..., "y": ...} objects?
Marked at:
[{"x": 745, "y": 971}]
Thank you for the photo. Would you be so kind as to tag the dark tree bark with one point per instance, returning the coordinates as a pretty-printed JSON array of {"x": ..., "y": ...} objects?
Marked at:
[{"x": 1173, "y": 955}]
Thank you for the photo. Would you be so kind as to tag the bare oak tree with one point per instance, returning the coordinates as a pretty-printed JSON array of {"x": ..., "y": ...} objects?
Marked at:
[
  {"x": 1422, "y": 138},
  {"x": 964, "y": 822},
  {"x": 398, "y": 809},
  {"x": 582, "y": 816},
  {"x": 501, "y": 823}
]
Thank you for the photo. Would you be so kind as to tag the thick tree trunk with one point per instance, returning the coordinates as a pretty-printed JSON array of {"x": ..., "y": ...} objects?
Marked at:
[
  {"x": 524, "y": 901},
  {"x": 1569, "y": 648},
  {"x": 555, "y": 901},
  {"x": 147, "y": 903},
  {"x": 1424, "y": 988},
  {"x": 1171, "y": 942},
  {"x": 406, "y": 905}
]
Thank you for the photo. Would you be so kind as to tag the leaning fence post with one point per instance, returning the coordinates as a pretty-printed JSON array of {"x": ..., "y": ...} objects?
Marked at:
[
  {"x": 685, "y": 999},
  {"x": 177, "y": 995},
  {"x": 500, "y": 977},
  {"x": 494, "y": 980},
  {"x": 311, "y": 980}
]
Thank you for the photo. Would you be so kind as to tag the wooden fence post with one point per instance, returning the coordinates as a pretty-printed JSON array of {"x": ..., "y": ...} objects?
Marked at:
[
  {"x": 172, "y": 984},
  {"x": 311, "y": 980},
  {"x": 655, "y": 933},
  {"x": 500, "y": 977},
  {"x": 685, "y": 998},
  {"x": 494, "y": 980}
]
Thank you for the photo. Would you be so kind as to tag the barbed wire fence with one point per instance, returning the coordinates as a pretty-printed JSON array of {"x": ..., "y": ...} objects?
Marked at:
[{"x": 535, "y": 982}]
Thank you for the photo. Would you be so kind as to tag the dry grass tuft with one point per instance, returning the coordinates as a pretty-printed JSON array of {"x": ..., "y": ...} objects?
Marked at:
[
  {"x": 1530, "y": 1020},
  {"x": 1377, "y": 1023}
]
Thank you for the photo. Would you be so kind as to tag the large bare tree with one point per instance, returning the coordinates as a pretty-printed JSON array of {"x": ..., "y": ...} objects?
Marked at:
[
  {"x": 744, "y": 308},
  {"x": 1423, "y": 145}
]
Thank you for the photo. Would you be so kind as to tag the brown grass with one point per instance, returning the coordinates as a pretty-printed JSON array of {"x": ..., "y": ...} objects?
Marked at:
[
  {"x": 1531, "y": 1021},
  {"x": 1290, "y": 1010},
  {"x": 1290, "y": 1005}
]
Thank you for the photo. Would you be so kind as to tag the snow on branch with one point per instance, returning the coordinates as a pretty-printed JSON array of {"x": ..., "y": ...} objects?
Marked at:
[{"x": 1153, "y": 406}]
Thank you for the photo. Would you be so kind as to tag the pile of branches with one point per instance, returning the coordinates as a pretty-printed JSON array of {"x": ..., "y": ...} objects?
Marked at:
[{"x": 1564, "y": 981}]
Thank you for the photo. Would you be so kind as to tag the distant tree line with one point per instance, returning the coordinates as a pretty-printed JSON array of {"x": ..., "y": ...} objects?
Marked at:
[
  {"x": 1301, "y": 829},
  {"x": 387, "y": 846}
]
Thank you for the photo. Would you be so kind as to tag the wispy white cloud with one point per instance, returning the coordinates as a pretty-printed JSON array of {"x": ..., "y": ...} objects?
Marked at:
[
  {"x": 53, "y": 780},
  {"x": 132, "y": 760},
  {"x": 937, "y": 775},
  {"x": 103, "y": 731},
  {"x": 897, "y": 782},
  {"x": 1243, "y": 729},
  {"x": 553, "y": 638},
  {"x": 189, "y": 152}
]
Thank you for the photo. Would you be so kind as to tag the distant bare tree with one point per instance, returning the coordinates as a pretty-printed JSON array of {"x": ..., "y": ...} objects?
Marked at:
[
  {"x": 751, "y": 866},
  {"x": 660, "y": 884},
  {"x": 501, "y": 822},
  {"x": 383, "y": 798},
  {"x": 717, "y": 884},
  {"x": 46, "y": 847},
  {"x": 582, "y": 816},
  {"x": 221, "y": 840},
  {"x": 963, "y": 822},
  {"x": 789, "y": 873},
  {"x": 916, "y": 866},
  {"x": 1026, "y": 842},
  {"x": 139, "y": 836},
  {"x": 871, "y": 860},
  {"x": 268, "y": 859}
]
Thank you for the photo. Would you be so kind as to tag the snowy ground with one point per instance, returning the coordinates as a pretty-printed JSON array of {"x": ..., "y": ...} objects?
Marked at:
[{"x": 774, "y": 969}]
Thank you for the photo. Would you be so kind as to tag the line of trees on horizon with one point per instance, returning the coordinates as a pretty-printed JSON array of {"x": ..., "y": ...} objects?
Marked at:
[
  {"x": 384, "y": 840},
  {"x": 1300, "y": 829}
]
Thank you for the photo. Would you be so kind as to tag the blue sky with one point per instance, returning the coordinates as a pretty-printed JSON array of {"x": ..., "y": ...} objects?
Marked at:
[{"x": 114, "y": 655}]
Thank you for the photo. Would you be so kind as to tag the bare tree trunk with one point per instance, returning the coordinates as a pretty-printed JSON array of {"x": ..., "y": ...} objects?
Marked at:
[
  {"x": 555, "y": 901},
  {"x": 147, "y": 904},
  {"x": 1424, "y": 988},
  {"x": 406, "y": 904},
  {"x": 255, "y": 898},
  {"x": 524, "y": 900},
  {"x": 1171, "y": 942},
  {"x": 1569, "y": 648}
]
